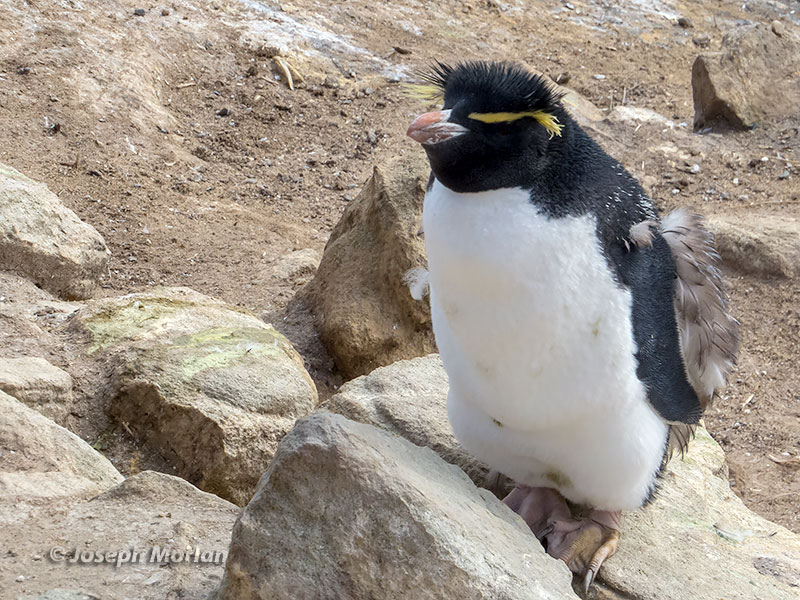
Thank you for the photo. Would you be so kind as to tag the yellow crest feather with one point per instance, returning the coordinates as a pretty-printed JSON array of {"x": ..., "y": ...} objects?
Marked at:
[
  {"x": 545, "y": 119},
  {"x": 423, "y": 91}
]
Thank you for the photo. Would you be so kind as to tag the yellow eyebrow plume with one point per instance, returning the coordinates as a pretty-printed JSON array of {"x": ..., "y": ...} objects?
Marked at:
[
  {"x": 545, "y": 119},
  {"x": 424, "y": 91}
]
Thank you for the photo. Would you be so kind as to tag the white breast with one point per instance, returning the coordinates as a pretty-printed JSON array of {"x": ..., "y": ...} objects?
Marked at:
[{"x": 536, "y": 338}]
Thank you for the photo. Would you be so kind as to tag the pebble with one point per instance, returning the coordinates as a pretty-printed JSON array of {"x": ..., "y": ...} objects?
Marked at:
[
  {"x": 372, "y": 137},
  {"x": 703, "y": 40},
  {"x": 685, "y": 22},
  {"x": 778, "y": 28},
  {"x": 164, "y": 12},
  {"x": 139, "y": 12},
  {"x": 599, "y": 76},
  {"x": 23, "y": 70},
  {"x": 784, "y": 175},
  {"x": 224, "y": 112},
  {"x": 569, "y": 6},
  {"x": 20, "y": 579},
  {"x": 695, "y": 168}
]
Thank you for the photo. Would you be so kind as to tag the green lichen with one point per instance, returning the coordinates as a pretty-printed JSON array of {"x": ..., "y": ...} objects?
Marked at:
[{"x": 221, "y": 347}]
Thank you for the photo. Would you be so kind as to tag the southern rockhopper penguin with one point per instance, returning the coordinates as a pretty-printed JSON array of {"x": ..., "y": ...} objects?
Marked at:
[{"x": 582, "y": 335}]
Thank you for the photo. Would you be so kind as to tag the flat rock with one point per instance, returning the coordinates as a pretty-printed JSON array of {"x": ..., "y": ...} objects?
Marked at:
[
  {"x": 765, "y": 245},
  {"x": 362, "y": 308},
  {"x": 41, "y": 462},
  {"x": 37, "y": 383},
  {"x": 349, "y": 511},
  {"x": 149, "y": 513},
  {"x": 755, "y": 76},
  {"x": 209, "y": 387},
  {"x": 408, "y": 399},
  {"x": 46, "y": 241},
  {"x": 636, "y": 115}
]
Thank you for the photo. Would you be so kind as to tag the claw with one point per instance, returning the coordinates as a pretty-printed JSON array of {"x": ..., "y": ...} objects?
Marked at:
[{"x": 588, "y": 579}]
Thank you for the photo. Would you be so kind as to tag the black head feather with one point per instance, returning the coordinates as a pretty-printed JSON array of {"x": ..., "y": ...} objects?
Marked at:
[{"x": 496, "y": 86}]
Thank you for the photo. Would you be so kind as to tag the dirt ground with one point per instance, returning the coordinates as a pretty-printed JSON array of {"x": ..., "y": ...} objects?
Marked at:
[{"x": 176, "y": 136}]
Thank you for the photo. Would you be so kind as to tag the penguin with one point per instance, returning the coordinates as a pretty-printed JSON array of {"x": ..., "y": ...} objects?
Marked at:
[{"x": 583, "y": 336}]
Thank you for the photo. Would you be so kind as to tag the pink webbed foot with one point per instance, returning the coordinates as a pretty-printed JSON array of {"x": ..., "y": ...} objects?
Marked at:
[{"x": 584, "y": 544}]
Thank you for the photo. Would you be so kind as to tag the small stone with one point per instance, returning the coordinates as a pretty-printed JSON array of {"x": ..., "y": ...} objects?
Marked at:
[
  {"x": 164, "y": 12},
  {"x": 562, "y": 78},
  {"x": 372, "y": 137},
  {"x": 224, "y": 112},
  {"x": 599, "y": 76},
  {"x": 784, "y": 175},
  {"x": 695, "y": 168},
  {"x": 569, "y": 6},
  {"x": 778, "y": 28},
  {"x": 23, "y": 70},
  {"x": 702, "y": 40},
  {"x": 735, "y": 181},
  {"x": 685, "y": 22},
  {"x": 139, "y": 12},
  {"x": 20, "y": 579},
  {"x": 252, "y": 71}
]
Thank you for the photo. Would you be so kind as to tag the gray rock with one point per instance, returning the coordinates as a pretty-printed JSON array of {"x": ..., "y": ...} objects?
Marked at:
[
  {"x": 37, "y": 383},
  {"x": 635, "y": 115},
  {"x": 297, "y": 266},
  {"x": 41, "y": 462},
  {"x": 665, "y": 549},
  {"x": 209, "y": 387},
  {"x": 348, "y": 511},
  {"x": 46, "y": 241},
  {"x": 409, "y": 399},
  {"x": 362, "y": 308},
  {"x": 755, "y": 76},
  {"x": 147, "y": 511},
  {"x": 763, "y": 245},
  {"x": 699, "y": 541}
]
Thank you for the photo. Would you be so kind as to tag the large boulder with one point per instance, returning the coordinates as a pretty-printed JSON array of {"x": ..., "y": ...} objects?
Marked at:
[
  {"x": 41, "y": 462},
  {"x": 755, "y": 76},
  {"x": 37, "y": 383},
  {"x": 208, "y": 386},
  {"x": 348, "y": 511},
  {"x": 698, "y": 540},
  {"x": 46, "y": 241},
  {"x": 763, "y": 245},
  {"x": 408, "y": 398},
  {"x": 695, "y": 521},
  {"x": 180, "y": 536},
  {"x": 362, "y": 307}
]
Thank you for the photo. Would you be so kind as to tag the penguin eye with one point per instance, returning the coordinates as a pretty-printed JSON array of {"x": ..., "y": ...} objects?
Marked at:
[{"x": 545, "y": 119}]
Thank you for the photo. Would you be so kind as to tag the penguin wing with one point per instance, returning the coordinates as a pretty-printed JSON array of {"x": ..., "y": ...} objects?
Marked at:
[
  {"x": 709, "y": 334},
  {"x": 647, "y": 268}
]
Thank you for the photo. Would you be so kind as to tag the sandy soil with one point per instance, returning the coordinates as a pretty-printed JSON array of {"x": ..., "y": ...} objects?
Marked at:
[{"x": 175, "y": 135}]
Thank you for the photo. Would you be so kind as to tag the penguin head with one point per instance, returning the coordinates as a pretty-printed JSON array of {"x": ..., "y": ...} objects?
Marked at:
[{"x": 497, "y": 125}]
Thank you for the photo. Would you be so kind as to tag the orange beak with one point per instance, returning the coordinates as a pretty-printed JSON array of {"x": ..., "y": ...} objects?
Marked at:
[{"x": 434, "y": 127}]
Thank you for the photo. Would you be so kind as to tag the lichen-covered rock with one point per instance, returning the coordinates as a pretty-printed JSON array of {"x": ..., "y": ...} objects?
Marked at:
[
  {"x": 408, "y": 398},
  {"x": 46, "y": 241},
  {"x": 349, "y": 511},
  {"x": 362, "y": 308},
  {"x": 148, "y": 513},
  {"x": 41, "y": 462},
  {"x": 755, "y": 76},
  {"x": 764, "y": 245},
  {"x": 211, "y": 388},
  {"x": 38, "y": 384}
]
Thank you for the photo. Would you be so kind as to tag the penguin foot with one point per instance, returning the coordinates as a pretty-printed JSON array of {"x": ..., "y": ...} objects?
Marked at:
[
  {"x": 583, "y": 544},
  {"x": 540, "y": 507}
]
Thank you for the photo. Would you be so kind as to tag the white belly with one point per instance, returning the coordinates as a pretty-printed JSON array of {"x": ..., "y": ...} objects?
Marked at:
[{"x": 536, "y": 339}]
